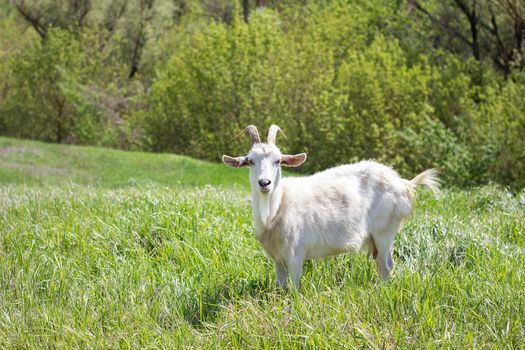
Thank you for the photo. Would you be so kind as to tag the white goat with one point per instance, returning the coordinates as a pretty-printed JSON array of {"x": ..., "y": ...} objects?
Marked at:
[{"x": 342, "y": 209}]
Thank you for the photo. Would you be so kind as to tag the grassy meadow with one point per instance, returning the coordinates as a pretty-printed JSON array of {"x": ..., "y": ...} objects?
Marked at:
[{"x": 108, "y": 249}]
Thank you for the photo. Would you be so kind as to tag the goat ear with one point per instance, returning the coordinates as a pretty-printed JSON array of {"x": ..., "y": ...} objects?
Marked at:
[
  {"x": 293, "y": 161},
  {"x": 235, "y": 162}
]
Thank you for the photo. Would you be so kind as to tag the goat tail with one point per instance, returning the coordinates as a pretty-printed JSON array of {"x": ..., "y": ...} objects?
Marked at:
[{"x": 428, "y": 178}]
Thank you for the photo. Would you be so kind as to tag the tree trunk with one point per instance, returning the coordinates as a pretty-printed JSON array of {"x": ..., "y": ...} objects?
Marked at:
[
  {"x": 473, "y": 20},
  {"x": 474, "y": 30},
  {"x": 245, "y": 10}
]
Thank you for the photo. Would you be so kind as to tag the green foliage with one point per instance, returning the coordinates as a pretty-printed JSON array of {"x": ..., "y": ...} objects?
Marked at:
[
  {"x": 345, "y": 80},
  {"x": 341, "y": 91},
  {"x": 62, "y": 87}
]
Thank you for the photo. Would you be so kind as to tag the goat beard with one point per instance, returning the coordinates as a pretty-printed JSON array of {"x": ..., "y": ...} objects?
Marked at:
[{"x": 264, "y": 207}]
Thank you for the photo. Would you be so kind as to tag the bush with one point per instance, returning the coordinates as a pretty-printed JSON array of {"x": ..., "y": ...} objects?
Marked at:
[
  {"x": 66, "y": 88},
  {"x": 341, "y": 91},
  {"x": 331, "y": 74}
]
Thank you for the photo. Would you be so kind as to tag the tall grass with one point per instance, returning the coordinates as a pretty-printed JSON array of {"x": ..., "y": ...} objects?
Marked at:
[{"x": 169, "y": 266}]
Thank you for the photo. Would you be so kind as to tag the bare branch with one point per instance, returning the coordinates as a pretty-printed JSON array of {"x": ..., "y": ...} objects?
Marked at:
[
  {"x": 473, "y": 19},
  {"x": 113, "y": 15},
  {"x": 82, "y": 8},
  {"x": 437, "y": 22},
  {"x": 31, "y": 18}
]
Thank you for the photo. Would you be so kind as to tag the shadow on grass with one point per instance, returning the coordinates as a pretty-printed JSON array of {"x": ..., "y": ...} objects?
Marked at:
[{"x": 206, "y": 306}]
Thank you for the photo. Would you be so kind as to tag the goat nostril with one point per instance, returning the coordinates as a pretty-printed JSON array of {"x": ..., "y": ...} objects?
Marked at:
[{"x": 264, "y": 183}]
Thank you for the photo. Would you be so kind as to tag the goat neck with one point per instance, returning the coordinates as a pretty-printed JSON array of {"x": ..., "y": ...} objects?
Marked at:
[{"x": 265, "y": 206}]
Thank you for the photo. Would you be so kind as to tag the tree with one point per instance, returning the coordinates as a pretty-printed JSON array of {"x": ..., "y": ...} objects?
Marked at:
[
  {"x": 131, "y": 19},
  {"x": 48, "y": 14},
  {"x": 246, "y": 8},
  {"x": 491, "y": 29}
]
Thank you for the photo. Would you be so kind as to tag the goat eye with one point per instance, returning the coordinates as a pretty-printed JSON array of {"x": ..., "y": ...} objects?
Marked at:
[{"x": 277, "y": 162}]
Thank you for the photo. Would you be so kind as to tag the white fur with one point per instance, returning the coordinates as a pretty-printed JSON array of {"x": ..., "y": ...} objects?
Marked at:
[
  {"x": 264, "y": 207},
  {"x": 343, "y": 209}
]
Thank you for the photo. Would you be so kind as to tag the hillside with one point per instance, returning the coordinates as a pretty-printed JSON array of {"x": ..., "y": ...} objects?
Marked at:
[{"x": 32, "y": 162}]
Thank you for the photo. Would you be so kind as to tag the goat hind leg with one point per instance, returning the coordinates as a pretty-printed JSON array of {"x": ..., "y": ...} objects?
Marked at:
[
  {"x": 384, "y": 261},
  {"x": 372, "y": 250}
]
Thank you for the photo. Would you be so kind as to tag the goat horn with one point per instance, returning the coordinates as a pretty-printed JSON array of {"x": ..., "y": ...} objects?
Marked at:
[
  {"x": 272, "y": 133},
  {"x": 254, "y": 134}
]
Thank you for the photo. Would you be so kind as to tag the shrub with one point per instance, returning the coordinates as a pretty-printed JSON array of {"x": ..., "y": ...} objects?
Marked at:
[
  {"x": 341, "y": 91},
  {"x": 346, "y": 80},
  {"x": 64, "y": 88}
]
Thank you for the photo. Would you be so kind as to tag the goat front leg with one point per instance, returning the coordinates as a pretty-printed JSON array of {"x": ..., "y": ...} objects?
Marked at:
[
  {"x": 280, "y": 274},
  {"x": 295, "y": 268}
]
